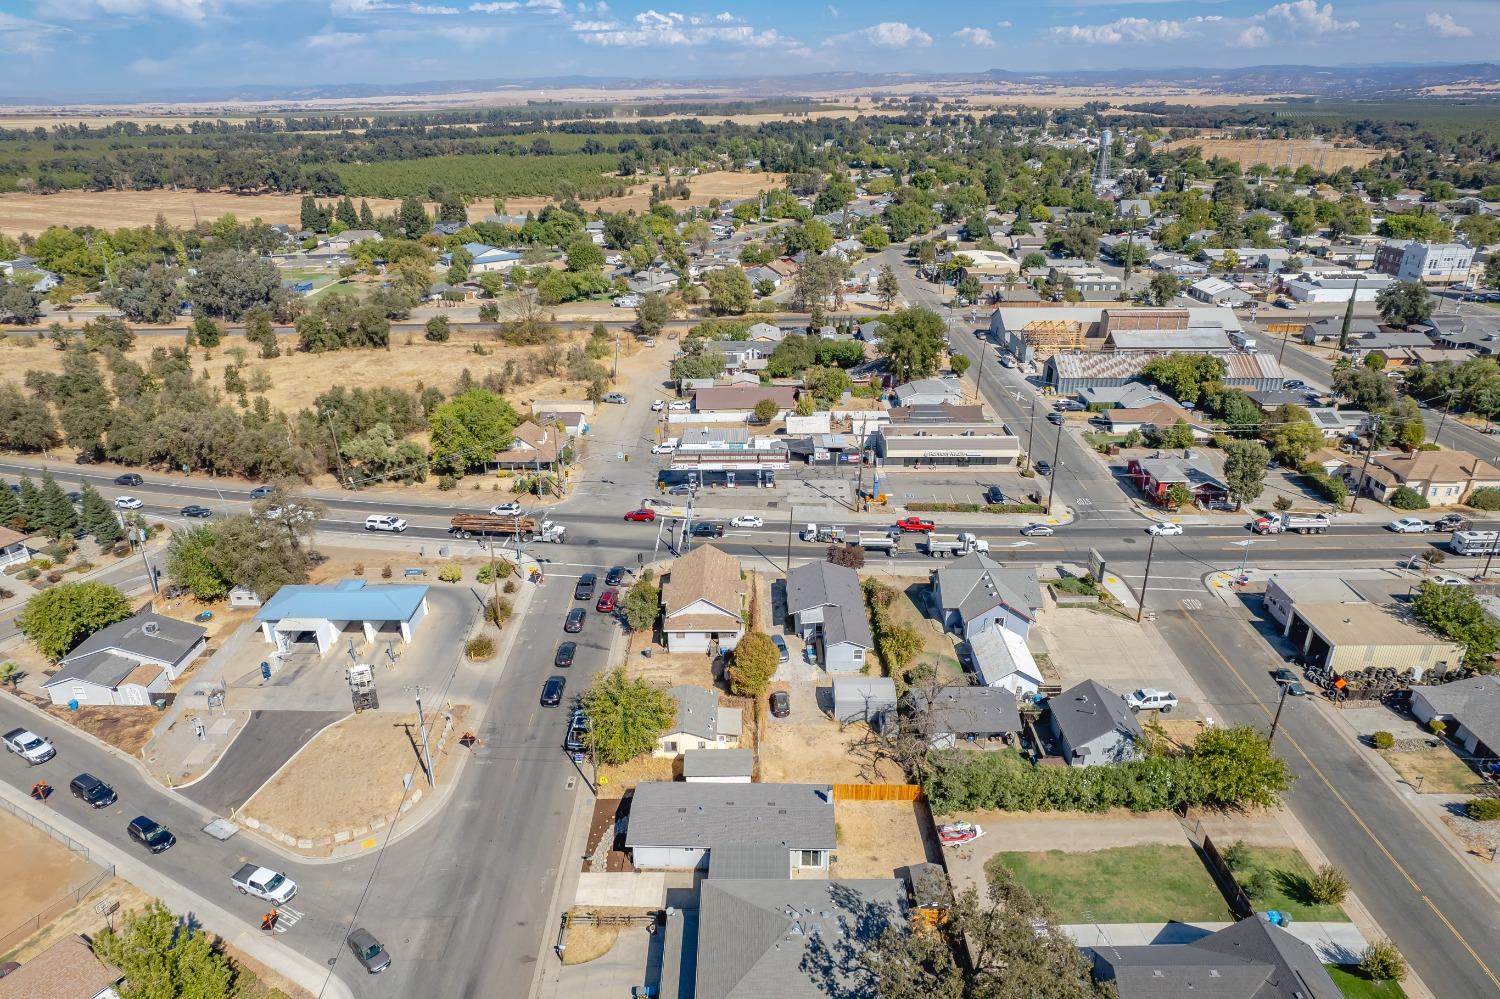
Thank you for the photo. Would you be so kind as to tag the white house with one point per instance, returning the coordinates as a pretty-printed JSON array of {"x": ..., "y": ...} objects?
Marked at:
[
  {"x": 1001, "y": 659},
  {"x": 704, "y": 598},
  {"x": 674, "y": 825},
  {"x": 315, "y": 617},
  {"x": 13, "y": 547},
  {"x": 701, "y": 723},
  {"x": 490, "y": 258},
  {"x": 977, "y": 593},
  {"x": 128, "y": 662}
]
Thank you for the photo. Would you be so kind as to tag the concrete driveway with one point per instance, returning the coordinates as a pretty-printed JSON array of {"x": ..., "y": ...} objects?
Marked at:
[{"x": 269, "y": 739}]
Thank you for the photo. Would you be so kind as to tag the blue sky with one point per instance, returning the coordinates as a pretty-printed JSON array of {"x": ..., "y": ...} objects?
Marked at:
[{"x": 66, "y": 48}]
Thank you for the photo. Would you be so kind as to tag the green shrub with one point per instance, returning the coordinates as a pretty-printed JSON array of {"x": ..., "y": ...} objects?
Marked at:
[
  {"x": 1329, "y": 886},
  {"x": 1483, "y": 809},
  {"x": 500, "y": 569},
  {"x": 1485, "y": 498},
  {"x": 975, "y": 508},
  {"x": 497, "y": 611},
  {"x": 1382, "y": 740},
  {"x": 1437, "y": 726},
  {"x": 479, "y": 648},
  {"x": 451, "y": 573},
  {"x": 1236, "y": 855},
  {"x": 1407, "y": 498},
  {"x": 1382, "y": 962},
  {"x": 1259, "y": 884}
]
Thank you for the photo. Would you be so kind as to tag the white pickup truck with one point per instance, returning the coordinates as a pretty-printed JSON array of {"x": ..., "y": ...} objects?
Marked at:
[
  {"x": 1149, "y": 699},
  {"x": 264, "y": 883},
  {"x": 29, "y": 746}
]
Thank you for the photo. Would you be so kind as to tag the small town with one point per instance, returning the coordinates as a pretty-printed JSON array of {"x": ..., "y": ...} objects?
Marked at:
[{"x": 900, "y": 504}]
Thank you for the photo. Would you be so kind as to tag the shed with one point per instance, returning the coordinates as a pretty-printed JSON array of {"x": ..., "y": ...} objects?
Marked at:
[
  {"x": 719, "y": 766},
  {"x": 862, "y": 698}
]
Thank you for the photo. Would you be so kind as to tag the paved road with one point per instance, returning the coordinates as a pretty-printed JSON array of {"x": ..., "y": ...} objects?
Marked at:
[{"x": 268, "y": 740}]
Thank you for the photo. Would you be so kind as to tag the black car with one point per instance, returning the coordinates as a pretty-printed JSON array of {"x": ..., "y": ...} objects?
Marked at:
[
  {"x": 149, "y": 834},
  {"x": 574, "y": 624},
  {"x": 195, "y": 511},
  {"x": 704, "y": 529},
  {"x": 92, "y": 791},
  {"x": 552, "y": 691},
  {"x": 175, "y": 591},
  {"x": 616, "y": 576},
  {"x": 129, "y": 479},
  {"x": 781, "y": 704},
  {"x": 994, "y": 495},
  {"x": 1450, "y": 522},
  {"x": 585, "y": 588},
  {"x": 1043, "y": 468},
  {"x": 368, "y": 950},
  {"x": 1056, "y": 419},
  {"x": 564, "y": 657}
]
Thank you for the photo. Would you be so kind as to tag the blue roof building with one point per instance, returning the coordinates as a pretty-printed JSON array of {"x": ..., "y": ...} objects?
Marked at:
[
  {"x": 299, "y": 618},
  {"x": 490, "y": 258}
]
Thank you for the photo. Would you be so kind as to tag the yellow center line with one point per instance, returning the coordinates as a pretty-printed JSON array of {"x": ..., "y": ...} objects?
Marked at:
[{"x": 1265, "y": 709}]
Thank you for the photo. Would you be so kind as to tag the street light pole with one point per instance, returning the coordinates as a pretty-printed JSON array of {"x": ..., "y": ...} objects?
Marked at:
[
  {"x": 1271, "y": 738},
  {"x": 1031, "y": 431},
  {"x": 1145, "y": 580}
]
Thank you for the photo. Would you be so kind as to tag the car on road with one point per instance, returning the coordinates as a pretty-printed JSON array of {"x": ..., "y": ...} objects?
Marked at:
[
  {"x": 1284, "y": 303},
  {"x": 384, "y": 522},
  {"x": 129, "y": 479},
  {"x": 574, "y": 623},
  {"x": 915, "y": 525},
  {"x": 680, "y": 406},
  {"x": 615, "y": 576},
  {"x": 75, "y": 497},
  {"x": 127, "y": 503},
  {"x": 1294, "y": 385},
  {"x": 29, "y": 746},
  {"x": 199, "y": 512},
  {"x": 644, "y": 515},
  {"x": 1151, "y": 699},
  {"x": 706, "y": 529},
  {"x": 368, "y": 951},
  {"x": 781, "y": 704},
  {"x": 262, "y": 882},
  {"x": 1409, "y": 525},
  {"x": 783, "y": 654},
  {"x": 92, "y": 791},
  {"x": 1037, "y": 531},
  {"x": 747, "y": 520},
  {"x": 152, "y": 835},
  {"x": 1069, "y": 406},
  {"x": 584, "y": 588},
  {"x": 552, "y": 691},
  {"x": 565, "y": 653},
  {"x": 260, "y": 492},
  {"x": 1043, "y": 467},
  {"x": 1288, "y": 679},
  {"x": 994, "y": 494},
  {"x": 618, "y": 398},
  {"x": 511, "y": 509},
  {"x": 657, "y": 405},
  {"x": 1164, "y": 529},
  {"x": 607, "y": 600},
  {"x": 1056, "y": 419},
  {"x": 1450, "y": 522}
]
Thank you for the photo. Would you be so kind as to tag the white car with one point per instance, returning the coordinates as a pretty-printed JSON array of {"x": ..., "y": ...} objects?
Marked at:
[
  {"x": 748, "y": 521},
  {"x": 657, "y": 406},
  {"x": 665, "y": 447},
  {"x": 650, "y": 341},
  {"x": 681, "y": 405},
  {"x": 511, "y": 509},
  {"x": 127, "y": 503},
  {"x": 382, "y": 522},
  {"x": 1164, "y": 529},
  {"x": 1409, "y": 525}
]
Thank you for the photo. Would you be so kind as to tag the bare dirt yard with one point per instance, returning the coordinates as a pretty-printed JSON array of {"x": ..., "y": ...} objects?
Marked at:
[
  {"x": 876, "y": 837},
  {"x": 799, "y": 750},
  {"x": 35, "y": 869},
  {"x": 1316, "y": 153},
  {"x": 351, "y": 774}
]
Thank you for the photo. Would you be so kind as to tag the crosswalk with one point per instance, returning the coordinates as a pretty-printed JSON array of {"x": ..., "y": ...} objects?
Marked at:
[{"x": 287, "y": 918}]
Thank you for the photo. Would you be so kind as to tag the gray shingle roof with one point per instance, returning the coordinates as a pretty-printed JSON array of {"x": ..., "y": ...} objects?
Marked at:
[
  {"x": 823, "y": 584},
  {"x": 971, "y": 710},
  {"x": 1474, "y": 703},
  {"x": 718, "y": 763},
  {"x": 1090, "y": 710},
  {"x": 750, "y": 862},
  {"x": 108, "y": 655},
  {"x": 697, "y": 711},
  {"x": 1248, "y": 960},
  {"x": 703, "y": 815},
  {"x": 976, "y": 583}
]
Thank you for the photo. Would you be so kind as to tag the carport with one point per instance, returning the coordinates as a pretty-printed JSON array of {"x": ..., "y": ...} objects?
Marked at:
[{"x": 298, "y": 618}]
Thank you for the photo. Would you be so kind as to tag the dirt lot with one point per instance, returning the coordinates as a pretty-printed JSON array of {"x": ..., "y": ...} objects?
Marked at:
[
  {"x": 127, "y": 729},
  {"x": 1281, "y": 152},
  {"x": 350, "y": 774},
  {"x": 724, "y": 185},
  {"x": 618, "y": 780},
  {"x": 876, "y": 837},
  {"x": 80, "y": 918},
  {"x": 35, "y": 869},
  {"x": 800, "y": 749}
]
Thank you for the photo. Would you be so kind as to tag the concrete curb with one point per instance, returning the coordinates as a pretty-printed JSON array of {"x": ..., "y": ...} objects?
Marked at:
[{"x": 306, "y": 972}]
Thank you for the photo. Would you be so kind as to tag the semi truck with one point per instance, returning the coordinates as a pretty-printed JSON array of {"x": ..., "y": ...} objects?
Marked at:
[
  {"x": 484, "y": 525},
  {"x": 1287, "y": 523},
  {"x": 878, "y": 541},
  {"x": 943, "y": 545}
]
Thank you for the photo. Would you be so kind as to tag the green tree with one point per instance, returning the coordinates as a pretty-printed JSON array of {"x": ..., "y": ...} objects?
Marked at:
[
  {"x": 1184, "y": 376},
  {"x": 583, "y": 255},
  {"x": 1382, "y": 962},
  {"x": 1407, "y": 498},
  {"x": 753, "y": 664},
  {"x": 412, "y": 218},
  {"x": 729, "y": 291},
  {"x": 193, "y": 561},
  {"x": 1362, "y": 388},
  {"x": 1163, "y": 288},
  {"x": 1404, "y": 303},
  {"x": 469, "y": 428},
  {"x": 1178, "y": 435},
  {"x": 627, "y": 716},
  {"x": 1236, "y": 768},
  {"x": 145, "y": 294},
  {"x": 959, "y": 363},
  {"x": 231, "y": 283},
  {"x": 1245, "y": 470},
  {"x": 258, "y": 554},
  {"x": 765, "y": 411},
  {"x": 887, "y": 287},
  {"x": 652, "y": 314},
  {"x": 1456, "y": 614},
  {"x": 56, "y": 511},
  {"x": 874, "y": 238},
  {"x": 1491, "y": 277},
  {"x": 437, "y": 330},
  {"x": 164, "y": 957},
  {"x": 259, "y": 331},
  {"x": 31, "y": 501},
  {"x": 61, "y": 616},
  {"x": 899, "y": 645},
  {"x": 98, "y": 518},
  {"x": 206, "y": 331},
  {"x": 10, "y": 507},
  {"x": 1178, "y": 496},
  {"x": 1289, "y": 432},
  {"x": 912, "y": 341},
  {"x": 640, "y": 605}
]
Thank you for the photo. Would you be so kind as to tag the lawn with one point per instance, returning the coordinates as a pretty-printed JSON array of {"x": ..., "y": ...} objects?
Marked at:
[
  {"x": 1131, "y": 884},
  {"x": 1355, "y": 986},
  {"x": 1441, "y": 771},
  {"x": 937, "y": 650},
  {"x": 1289, "y": 872}
]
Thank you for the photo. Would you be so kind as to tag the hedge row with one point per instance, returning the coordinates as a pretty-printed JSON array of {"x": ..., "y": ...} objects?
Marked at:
[{"x": 976, "y": 508}]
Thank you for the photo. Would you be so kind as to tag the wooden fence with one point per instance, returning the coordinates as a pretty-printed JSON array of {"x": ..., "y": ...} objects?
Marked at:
[{"x": 877, "y": 792}]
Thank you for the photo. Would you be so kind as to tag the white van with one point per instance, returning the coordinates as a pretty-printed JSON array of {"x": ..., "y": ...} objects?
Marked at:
[{"x": 381, "y": 522}]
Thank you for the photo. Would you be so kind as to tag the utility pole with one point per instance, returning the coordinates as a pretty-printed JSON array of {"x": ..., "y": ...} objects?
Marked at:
[
  {"x": 1360, "y": 484},
  {"x": 1490, "y": 558},
  {"x": 1145, "y": 580},
  {"x": 791, "y": 513},
  {"x": 1129, "y": 255},
  {"x": 1271, "y": 738},
  {"x": 1031, "y": 431},
  {"x": 616, "y": 372},
  {"x": 337, "y": 457},
  {"x": 422, "y": 728},
  {"x": 1056, "y": 467}
]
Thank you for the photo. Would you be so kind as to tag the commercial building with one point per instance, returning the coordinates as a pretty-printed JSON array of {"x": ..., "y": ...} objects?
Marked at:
[
  {"x": 735, "y": 456},
  {"x": 991, "y": 268},
  {"x": 1031, "y": 332},
  {"x": 308, "y": 618},
  {"x": 1337, "y": 286},
  {"x": 1216, "y": 291},
  {"x": 1350, "y": 636},
  {"x": 1070, "y": 374},
  {"x": 1429, "y": 263},
  {"x": 933, "y": 436}
]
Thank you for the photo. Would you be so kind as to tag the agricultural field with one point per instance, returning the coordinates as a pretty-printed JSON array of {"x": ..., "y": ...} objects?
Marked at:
[
  {"x": 479, "y": 176},
  {"x": 1291, "y": 153},
  {"x": 117, "y": 209}
]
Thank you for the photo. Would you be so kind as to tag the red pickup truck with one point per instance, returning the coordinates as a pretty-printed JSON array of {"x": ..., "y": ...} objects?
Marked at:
[{"x": 916, "y": 524}]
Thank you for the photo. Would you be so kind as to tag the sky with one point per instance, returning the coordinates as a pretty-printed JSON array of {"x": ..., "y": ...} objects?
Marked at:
[{"x": 61, "y": 49}]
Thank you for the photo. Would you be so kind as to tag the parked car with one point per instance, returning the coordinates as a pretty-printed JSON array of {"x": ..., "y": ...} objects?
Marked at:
[
  {"x": 783, "y": 654},
  {"x": 127, "y": 503},
  {"x": 29, "y": 746},
  {"x": 1164, "y": 529},
  {"x": 1450, "y": 522},
  {"x": 74, "y": 497},
  {"x": 260, "y": 492},
  {"x": 1150, "y": 699},
  {"x": 199, "y": 512},
  {"x": 680, "y": 489},
  {"x": 129, "y": 479},
  {"x": 565, "y": 653},
  {"x": 584, "y": 588},
  {"x": 916, "y": 525},
  {"x": 706, "y": 529},
  {"x": 368, "y": 951},
  {"x": 1409, "y": 525},
  {"x": 747, "y": 520},
  {"x": 384, "y": 522},
  {"x": 616, "y": 397},
  {"x": 92, "y": 791},
  {"x": 1037, "y": 531},
  {"x": 1294, "y": 384},
  {"x": 574, "y": 623},
  {"x": 86, "y": 458},
  {"x": 644, "y": 515},
  {"x": 615, "y": 576},
  {"x": 781, "y": 704},
  {"x": 680, "y": 406},
  {"x": 665, "y": 447},
  {"x": 552, "y": 691},
  {"x": 151, "y": 834},
  {"x": 994, "y": 495},
  {"x": 607, "y": 599},
  {"x": 511, "y": 509}
]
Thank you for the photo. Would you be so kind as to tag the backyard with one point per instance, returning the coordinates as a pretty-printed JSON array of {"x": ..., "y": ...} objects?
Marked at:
[
  {"x": 1151, "y": 883},
  {"x": 937, "y": 647}
]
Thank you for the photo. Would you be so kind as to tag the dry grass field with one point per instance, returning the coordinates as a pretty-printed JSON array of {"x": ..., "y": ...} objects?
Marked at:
[{"x": 1292, "y": 153}]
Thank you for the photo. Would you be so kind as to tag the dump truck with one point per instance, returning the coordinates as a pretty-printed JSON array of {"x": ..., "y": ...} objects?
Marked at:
[
  {"x": 1288, "y": 523},
  {"x": 878, "y": 541},
  {"x": 943, "y": 545},
  {"x": 826, "y": 534},
  {"x": 482, "y": 525}
]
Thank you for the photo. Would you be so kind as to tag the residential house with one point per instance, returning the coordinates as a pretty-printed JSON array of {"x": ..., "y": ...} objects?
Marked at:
[
  {"x": 1338, "y": 423},
  {"x": 1157, "y": 417},
  {"x": 1268, "y": 401},
  {"x": 490, "y": 258},
  {"x": 975, "y": 593},
  {"x": 1442, "y": 478},
  {"x": 701, "y": 723},
  {"x": 718, "y": 766},
  {"x": 929, "y": 436},
  {"x": 967, "y": 717},
  {"x": 1330, "y": 328},
  {"x": 346, "y": 239},
  {"x": 68, "y": 969},
  {"x": 765, "y": 333},
  {"x": 1139, "y": 207},
  {"x": 930, "y": 392},
  {"x": 1092, "y": 724},
  {"x": 678, "y": 825},
  {"x": 1155, "y": 477},
  {"x": 1471, "y": 707},
  {"x": 736, "y": 403},
  {"x": 446, "y": 227},
  {"x": 704, "y": 599},
  {"x": 993, "y": 269},
  {"x": 863, "y": 698},
  {"x": 758, "y": 274},
  {"x": 572, "y": 423},
  {"x": 741, "y": 355},
  {"x": 653, "y": 281},
  {"x": 1086, "y": 279},
  {"x": 1176, "y": 263},
  {"x": 1250, "y": 959},
  {"x": 310, "y": 618},
  {"x": 1113, "y": 246},
  {"x": 13, "y": 547},
  {"x": 532, "y": 448},
  {"x": 1217, "y": 291},
  {"x": 127, "y": 663},
  {"x": 827, "y": 608},
  {"x": 1001, "y": 659}
]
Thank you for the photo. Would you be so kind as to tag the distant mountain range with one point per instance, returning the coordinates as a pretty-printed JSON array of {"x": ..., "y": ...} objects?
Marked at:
[{"x": 1354, "y": 82}]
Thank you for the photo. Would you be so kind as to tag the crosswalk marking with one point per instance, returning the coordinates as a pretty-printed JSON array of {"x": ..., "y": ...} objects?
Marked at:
[{"x": 287, "y": 918}]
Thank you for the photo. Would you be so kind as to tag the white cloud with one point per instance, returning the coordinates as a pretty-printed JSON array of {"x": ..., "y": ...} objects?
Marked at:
[
  {"x": 354, "y": 8},
  {"x": 1306, "y": 15},
  {"x": 20, "y": 36},
  {"x": 671, "y": 29},
  {"x": 833, "y": 11},
  {"x": 1254, "y": 37},
  {"x": 1444, "y": 25},
  {"x": 541, "y": 6},
  {"x": 979, "y": 38},
  {"x": 1003, "y": 24},
  {"x": 886, "y": 35},
  {"x": 187, "y": 10},
  {"x": 150, "y": 67},
  {"x": 460, "y": 36},
  {"x": 1131, "y": 29}
]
